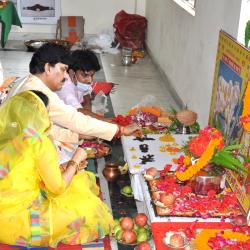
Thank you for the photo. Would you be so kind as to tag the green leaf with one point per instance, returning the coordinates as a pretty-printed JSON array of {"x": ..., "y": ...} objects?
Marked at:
[
  {"x": 195, "y": 128},
  {"x": 232, "y": 147},
  {"x": 172, "y": 110},
  {"x": 227, "y": 160}
]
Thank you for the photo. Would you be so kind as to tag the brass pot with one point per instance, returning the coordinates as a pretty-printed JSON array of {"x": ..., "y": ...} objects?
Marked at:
[{"x": 111, "y": 172}]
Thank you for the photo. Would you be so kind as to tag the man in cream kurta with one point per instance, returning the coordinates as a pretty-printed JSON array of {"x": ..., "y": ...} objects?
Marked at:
[
  {"x": 48, "y": 68},
  {"x": 67, "y": 116}
]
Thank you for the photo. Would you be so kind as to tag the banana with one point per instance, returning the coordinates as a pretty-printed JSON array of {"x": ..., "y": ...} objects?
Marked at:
[{"x": 124, "y": 169}]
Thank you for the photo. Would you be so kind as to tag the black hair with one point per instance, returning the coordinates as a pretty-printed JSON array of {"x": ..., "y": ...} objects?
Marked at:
[
  {"x": 42, "y": 96},
  {"x": 48, "y": 53},
  {"x": 84, "y": 60}
]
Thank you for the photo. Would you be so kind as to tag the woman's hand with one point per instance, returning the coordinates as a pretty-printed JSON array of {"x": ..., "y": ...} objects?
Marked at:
[
  {"x": 75, "y": 165},
  {"x": 79, "y": 155},
  {"x": 82, "y": 165}
]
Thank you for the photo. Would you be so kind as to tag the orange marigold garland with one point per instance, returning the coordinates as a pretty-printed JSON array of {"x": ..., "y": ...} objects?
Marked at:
[
  {"x": 245, "y": 118},
  {"x": 203, "y": 160},
  {"x": 208, "y": 146}
]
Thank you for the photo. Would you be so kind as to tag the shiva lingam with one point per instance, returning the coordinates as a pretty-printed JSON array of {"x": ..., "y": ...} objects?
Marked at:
[{"x": 111, "y": 171}]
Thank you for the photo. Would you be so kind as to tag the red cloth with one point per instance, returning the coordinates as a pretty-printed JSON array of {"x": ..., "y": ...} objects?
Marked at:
[
  {"x": 106, "y": 87},
  {"x": 130, "y": 29},
  {"x": 159, "y": 229}
]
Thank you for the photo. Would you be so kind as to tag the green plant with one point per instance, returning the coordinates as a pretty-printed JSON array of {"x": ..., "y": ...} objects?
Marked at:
[
  {"x": 228, "y": 158},
  {"x": 247, "y": 33}
]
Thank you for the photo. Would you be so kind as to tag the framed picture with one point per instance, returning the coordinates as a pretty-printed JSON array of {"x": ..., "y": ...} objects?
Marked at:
[
  {"x": 232, "y": 72},
  {"x": 39, "y": 12}
]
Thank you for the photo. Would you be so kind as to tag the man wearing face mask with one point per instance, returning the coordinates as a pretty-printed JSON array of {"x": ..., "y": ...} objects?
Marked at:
[{"x": 77, "y": 88}]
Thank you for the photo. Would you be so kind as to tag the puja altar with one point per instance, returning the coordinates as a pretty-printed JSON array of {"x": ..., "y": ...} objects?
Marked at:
[
  {"x": 177, "y": 207},
  {"x": 150, "y": 150}
]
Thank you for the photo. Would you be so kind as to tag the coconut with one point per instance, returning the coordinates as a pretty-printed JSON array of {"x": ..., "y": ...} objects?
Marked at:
[{"x": 186, "y": 117}]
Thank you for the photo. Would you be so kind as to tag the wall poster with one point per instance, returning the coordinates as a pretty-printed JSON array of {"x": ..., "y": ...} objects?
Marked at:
[
  {"x": 39, "y": 12},
  {"x": 232, "y": 73}
]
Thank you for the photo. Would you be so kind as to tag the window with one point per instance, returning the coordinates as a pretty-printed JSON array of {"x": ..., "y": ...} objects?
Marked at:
[{"x": 188, "y": 5}]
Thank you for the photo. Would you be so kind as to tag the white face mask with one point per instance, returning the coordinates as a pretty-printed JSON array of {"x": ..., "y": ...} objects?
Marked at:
[
  {"x": 86, "y": 89},
  {"x": 83, "y": 88}
]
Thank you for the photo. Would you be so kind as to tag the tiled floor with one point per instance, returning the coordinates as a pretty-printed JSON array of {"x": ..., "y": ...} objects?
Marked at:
[{"x": 134, "y": 82}]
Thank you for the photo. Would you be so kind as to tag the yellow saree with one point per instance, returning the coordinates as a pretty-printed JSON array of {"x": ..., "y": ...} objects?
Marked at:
[{"x": 36, "y": 208}]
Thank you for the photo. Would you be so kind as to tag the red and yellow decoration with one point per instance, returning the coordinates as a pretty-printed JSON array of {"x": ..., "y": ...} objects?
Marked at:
[
  {"x": 212, "y": 139},
  {"x": 209, "y": 236},
  {"x": 167, "y": 138},
  {"x": 208, "y": 147},
  {"x": 245, "y": 118},
  {"x": 146, "y": 109}
]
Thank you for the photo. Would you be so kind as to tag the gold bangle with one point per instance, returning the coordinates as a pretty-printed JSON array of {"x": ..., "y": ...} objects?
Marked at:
[{"x": 73, "y": 164}]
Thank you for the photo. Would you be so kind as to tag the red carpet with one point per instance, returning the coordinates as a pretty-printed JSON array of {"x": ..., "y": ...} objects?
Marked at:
[{"x": 159, "y": 229}]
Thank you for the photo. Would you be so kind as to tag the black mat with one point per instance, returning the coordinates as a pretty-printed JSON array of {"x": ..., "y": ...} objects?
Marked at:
[{"x": 121, "y": 206}]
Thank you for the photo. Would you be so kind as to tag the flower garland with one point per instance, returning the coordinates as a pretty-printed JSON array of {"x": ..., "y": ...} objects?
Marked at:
[
  {"x": 203, "y": 160},
  {"x": 245, "y": 118}
]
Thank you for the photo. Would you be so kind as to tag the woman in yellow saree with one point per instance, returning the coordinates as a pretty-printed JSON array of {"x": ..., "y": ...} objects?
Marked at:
[{"x": 39, "y": 205}]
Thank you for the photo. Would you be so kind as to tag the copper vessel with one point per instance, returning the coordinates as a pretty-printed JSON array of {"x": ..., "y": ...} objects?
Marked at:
[{"x": 111, "y": 172}]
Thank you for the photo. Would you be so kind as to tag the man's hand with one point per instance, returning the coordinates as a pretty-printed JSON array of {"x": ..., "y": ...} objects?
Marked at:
[
  {"x": 132, "y": 129},
  {"x": 86, "y": 137}
]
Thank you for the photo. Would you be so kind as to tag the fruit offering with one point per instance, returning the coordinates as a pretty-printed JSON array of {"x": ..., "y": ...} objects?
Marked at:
[
  {"x": 176, "y": 240},
  {"x": 95, "y": 149},
  {"x": 167, "y": 199},
  {"x": 143, "y": 246},
  {"x": 127, "y": 191},
  {"x": 132, "y": 231},
  {"x": 150, "y": 173}
]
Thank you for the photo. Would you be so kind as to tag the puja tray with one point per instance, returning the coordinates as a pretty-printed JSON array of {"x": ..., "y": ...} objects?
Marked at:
[{"x": 33, "y": 45}]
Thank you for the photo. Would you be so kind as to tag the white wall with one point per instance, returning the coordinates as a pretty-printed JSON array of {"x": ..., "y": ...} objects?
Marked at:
[
  {"x": 140, "y": 7},
  {"x": 99, "y": 16},
  {"x": 185, "y": 46}
]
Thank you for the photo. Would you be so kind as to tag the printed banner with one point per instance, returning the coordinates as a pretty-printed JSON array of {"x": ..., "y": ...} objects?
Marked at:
[{"x": 232, "y": 72}]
